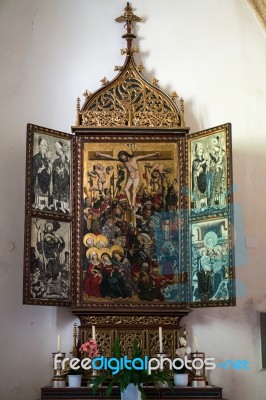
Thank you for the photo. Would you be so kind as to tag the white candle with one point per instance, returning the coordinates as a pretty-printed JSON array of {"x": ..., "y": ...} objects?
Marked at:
[
  {"x": 196, "y": 344},
  {"x": 93, "y": 332},
  {"x": 58, "y": 343},
  {"x": 160, "y": 340}
]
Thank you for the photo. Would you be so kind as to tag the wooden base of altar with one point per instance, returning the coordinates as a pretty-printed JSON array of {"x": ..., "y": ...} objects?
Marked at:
[{"x": 180, "y": 393}]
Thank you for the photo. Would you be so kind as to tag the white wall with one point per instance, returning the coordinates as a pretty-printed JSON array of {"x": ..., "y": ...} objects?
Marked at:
[{"x": 213, "y": 53}]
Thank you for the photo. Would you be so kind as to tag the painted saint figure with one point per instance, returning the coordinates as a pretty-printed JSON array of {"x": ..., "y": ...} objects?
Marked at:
[
  {"x": 41, "y": 171},
  {"x": 205, "y": 282},
  {"x": 93, "y": 278},
  {"x": 50, "y": 245},
  {"x": 124, "y": 265},
  {"x": 61, "y": 180},
  {"x": 200, "y": 176},
  {"x": 217, "y": 165},
  {"x": 133, "y": 178},
  {"x": 113, "y": 284}
]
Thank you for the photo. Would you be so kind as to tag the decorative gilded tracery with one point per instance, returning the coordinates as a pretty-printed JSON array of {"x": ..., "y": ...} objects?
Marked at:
[{"x": 130, "y": 100}]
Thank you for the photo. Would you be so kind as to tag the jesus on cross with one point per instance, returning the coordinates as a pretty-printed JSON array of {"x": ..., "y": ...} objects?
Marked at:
[{"x": 133, "y": 178}]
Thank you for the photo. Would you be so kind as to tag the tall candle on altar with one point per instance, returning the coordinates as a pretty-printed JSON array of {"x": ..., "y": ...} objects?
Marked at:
[
  {"x": 93, "y": 333},
  {"x": 58, "y": 343},
  {"x": 160, "y": 339},
  {"x": 196, "y": 344}
]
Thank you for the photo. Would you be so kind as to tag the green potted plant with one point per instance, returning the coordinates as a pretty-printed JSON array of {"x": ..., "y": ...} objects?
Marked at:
[{"x": 134, "y": 379}]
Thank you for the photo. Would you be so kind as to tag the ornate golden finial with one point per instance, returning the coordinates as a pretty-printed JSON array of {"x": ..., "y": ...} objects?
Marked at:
[
  {"x": 155, "y": 81},
  {"x": 128, "y": 17},
  {"x": 182, "y": 112},
  {"x": 118, "y": 68},
  {"x": 86, "y": 94},
  {"x": 182, "y": 107},
  {"x": 78, "y": 104},
  {"x": 173, "y": 95},
  {"x": 140, "y": 68},
  {"x": 75, "y": 335},
  {"x": 104, "y": 81},
  {"x": 78, "y": 112}
]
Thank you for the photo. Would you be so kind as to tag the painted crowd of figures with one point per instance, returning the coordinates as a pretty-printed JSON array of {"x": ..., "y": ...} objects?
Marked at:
[
  {"x": 130, "y": 228},
  {"x": 51, "y": 175}
]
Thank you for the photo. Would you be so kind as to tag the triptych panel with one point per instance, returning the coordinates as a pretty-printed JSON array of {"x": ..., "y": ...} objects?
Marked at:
[
  {"x": 128, "y": 237},
  {"x": 210, "y": 212},
  {"x": 49, "y": 215},
  {"x": 129, "y": 222}
]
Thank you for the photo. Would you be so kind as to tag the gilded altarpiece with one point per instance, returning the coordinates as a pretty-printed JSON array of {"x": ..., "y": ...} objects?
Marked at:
[{"x": 129, "y": 218}]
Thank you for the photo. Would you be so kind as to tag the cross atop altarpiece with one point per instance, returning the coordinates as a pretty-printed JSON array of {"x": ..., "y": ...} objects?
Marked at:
[{"x": 128, "y": 17}]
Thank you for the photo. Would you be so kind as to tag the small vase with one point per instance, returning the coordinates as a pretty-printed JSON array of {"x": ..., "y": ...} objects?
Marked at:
[
  {"x": 74, "y": 380},
  {"x": 181, "y": 379},
  {"x": 131, "y": 393}
]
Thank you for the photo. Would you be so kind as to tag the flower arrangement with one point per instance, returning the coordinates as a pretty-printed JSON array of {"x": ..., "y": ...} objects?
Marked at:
[
  {"x": 90, "y": 347},
  {"x": 183, "y": 350}
]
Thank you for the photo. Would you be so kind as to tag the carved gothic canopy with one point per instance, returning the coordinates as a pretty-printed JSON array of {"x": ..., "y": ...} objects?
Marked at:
[{"x": 130, "y": 101}]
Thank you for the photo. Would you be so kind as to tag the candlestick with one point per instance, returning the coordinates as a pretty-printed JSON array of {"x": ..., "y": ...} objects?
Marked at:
[
  {"x": 58, "y": 343},
  {"x": 93, "y": 332},
  {"x": 196, "y": 344},
  {"x": 198, "y": 369},
  {"x": 160, "y": 339},
  {"x": 59, "y": 379}
]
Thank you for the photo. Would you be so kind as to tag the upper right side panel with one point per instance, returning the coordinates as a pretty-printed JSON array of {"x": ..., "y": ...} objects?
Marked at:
[{"x": 210, "y": 217}]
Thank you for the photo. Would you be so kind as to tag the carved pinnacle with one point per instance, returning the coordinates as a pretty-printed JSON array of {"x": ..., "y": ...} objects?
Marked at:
[
  {"x": 173, "y": 95},
  {"x": 155, "y": 81},
  {"x": 140, "y": 68},
  {"x": 86, "y": 94},
  {"x": 78, "y": 104},
  {"x": 104, "y": 81}
]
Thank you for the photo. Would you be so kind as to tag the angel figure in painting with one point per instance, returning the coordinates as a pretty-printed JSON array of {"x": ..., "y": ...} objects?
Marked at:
[{"x": 133, "y": 178}]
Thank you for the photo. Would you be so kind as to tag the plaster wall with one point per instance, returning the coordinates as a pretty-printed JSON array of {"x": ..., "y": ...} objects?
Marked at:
[{"x": 213, "y": 53}]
